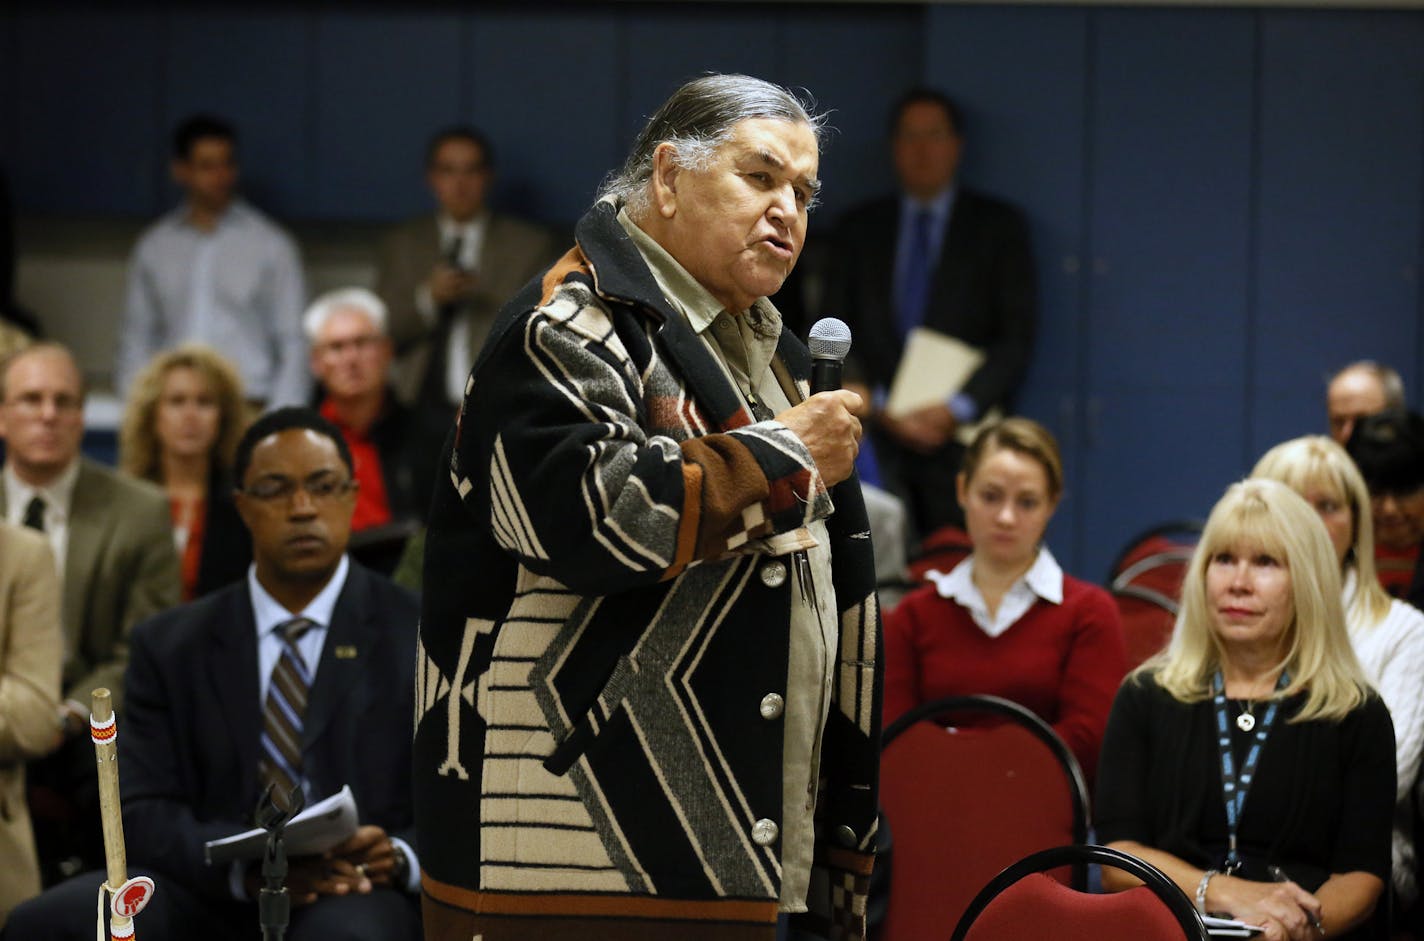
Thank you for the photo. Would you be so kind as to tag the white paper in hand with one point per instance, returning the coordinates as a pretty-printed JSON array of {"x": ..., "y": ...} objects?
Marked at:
[
  {"x": 933, "y": 367},
  {"x": 317, "y": 829}
]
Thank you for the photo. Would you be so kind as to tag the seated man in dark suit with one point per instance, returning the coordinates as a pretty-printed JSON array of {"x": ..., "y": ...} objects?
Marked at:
[
  {"x": 943, "y": 256},
  {"x": 308, "y": 634}
]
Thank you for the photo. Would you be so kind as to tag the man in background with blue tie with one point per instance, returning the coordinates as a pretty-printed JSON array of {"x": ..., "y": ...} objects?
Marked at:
[
  {"x": 300, "y": 676},
  {"x": 942, "y": 256}
]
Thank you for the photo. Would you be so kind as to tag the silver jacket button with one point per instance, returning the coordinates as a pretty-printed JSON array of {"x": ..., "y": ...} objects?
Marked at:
[
  {"x": 765, "y": 832},
  {"x": 772, "y": 706},
  {"x": 845, "y": 836},
  {"x": 773, "y": 574}
]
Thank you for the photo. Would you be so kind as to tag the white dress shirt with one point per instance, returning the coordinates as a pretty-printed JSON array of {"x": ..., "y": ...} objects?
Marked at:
[
  {"x": 57, "y": 497},
  {"x": 472, "y": 245},
  {"x": 1044, "y": 579}
]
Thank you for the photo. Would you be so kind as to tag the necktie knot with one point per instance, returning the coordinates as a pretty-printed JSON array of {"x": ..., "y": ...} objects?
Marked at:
[
  {"x": 35, "y": 513},
  {"x": 293, "y": 630}
]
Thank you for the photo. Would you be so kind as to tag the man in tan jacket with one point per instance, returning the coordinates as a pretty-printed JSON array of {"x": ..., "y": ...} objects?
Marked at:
[
  {"x": 444, "y": 276},
  {"x": 30, "y": 653},
  {"x": 112, "y": 541}
]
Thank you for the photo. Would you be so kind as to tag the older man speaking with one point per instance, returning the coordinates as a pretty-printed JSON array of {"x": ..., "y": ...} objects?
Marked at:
[{"x": 650, "y": 634}]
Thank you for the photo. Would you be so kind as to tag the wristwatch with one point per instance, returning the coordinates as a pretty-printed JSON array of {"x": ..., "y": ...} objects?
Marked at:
[{"x": 400, "y": 870}]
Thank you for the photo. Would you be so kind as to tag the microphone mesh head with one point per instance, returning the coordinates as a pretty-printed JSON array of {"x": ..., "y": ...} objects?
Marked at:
[{"x": 829, "y": 339}]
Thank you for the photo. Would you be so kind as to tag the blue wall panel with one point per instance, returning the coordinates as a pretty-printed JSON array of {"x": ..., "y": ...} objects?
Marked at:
[
  {"x": 546, "y": 91},
  {"x": 383, "y": 83},
  {"x": 1025, "y": 141},
  {"x": 86, "y": 95},
  {"x": 669, "y": 44},
  {"x": 855, "y": 62},
  {"x": 1342, "y": 146},
  {"x": 1170, "y": 226},
  {"x": 253, "y": 69},
  {"x": 8, "y": 50}
]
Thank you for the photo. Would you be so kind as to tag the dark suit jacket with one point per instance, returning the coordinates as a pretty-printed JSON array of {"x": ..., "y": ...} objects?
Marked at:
[
  {"x": 120, "y": 567},
  {"x": 227, "y": 546},
  {"x": 188, "y": 744},
  {"x": 513, "y": 252},
  {"x": 983, "y": 291}
]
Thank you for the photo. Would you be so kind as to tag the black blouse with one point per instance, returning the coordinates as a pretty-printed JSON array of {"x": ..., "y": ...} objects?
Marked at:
[{"x": 1321, "y": 802}]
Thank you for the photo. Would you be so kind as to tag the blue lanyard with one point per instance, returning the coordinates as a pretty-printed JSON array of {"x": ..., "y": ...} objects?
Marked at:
[{"x": 1234, "y": 786}]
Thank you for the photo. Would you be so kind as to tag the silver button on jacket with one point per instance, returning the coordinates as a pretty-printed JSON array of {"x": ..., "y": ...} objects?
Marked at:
[
  {"x": 773, "y": 574},
  {"x": 765, "y": 832},
  {"x": 772, "y": 706}
]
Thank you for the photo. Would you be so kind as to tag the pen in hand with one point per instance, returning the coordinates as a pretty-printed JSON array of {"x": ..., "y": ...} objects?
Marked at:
[{"x": 1279, "y": 874}]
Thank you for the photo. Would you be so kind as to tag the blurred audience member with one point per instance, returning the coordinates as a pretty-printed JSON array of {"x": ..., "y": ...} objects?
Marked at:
[
  {"x": 939, "y": 255},
  {"x": 113, "y": 547},
  {"x": 889, "y": 531},
  {"x": 444, "y": 276},
  {"x": 17, "y": 325},
  {"x": 1359, "y": 390},
  {"x": 298, "y": 677},
  {"x": 31, "y": 651},
  {"x": 1251, "y": 762},
  {"x": 1388, "y": 448},
  {"x": 1387, "y": 635},
  {"x": 1007, "y": 621},
  {"x": 184, "y": 417},
  {"x": 351, "y": 358},
  {"x": 217, "y": 271}
]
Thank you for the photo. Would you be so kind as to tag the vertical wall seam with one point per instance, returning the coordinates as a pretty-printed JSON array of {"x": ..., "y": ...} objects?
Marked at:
[
  {"x": 1083, "y": 359},
  {"x": 1253, "y": 232}
]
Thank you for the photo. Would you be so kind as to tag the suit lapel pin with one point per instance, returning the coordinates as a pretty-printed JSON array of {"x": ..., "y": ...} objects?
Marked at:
[{"x": 345, "y": 652}]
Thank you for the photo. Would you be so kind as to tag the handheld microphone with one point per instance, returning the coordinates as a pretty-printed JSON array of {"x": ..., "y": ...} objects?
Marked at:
[{"x": 829, "y": 341}]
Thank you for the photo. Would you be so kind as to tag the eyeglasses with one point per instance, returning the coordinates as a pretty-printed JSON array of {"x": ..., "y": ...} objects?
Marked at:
[
  {"x": 32, "y": 403},
  {"x": 319, "y": 489}
]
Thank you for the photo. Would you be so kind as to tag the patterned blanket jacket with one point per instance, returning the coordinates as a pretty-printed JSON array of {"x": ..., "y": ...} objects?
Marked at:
[{"x": 604, "y": 639}]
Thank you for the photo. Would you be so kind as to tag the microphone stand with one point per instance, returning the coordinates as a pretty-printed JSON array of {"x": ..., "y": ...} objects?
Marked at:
[{"x": 274, "y": 905}]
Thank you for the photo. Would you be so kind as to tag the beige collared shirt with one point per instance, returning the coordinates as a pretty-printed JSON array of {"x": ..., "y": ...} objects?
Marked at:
[
  {"x": 57, "y": 497},
  {"x": 745, "y": 345}
]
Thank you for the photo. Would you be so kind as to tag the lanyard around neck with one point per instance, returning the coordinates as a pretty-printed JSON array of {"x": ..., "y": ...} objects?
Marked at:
[{"x": 1234, "y": 785}]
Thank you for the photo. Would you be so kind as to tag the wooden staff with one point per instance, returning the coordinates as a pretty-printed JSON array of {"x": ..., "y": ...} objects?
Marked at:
[{"x": 106, "y": 754}]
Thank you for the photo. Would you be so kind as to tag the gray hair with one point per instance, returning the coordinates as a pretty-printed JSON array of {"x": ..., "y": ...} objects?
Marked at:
[
  {"x": 327, "y": 304},
  {"x": 1388, "y": 378},
  {"x": 696, "y": 121}
]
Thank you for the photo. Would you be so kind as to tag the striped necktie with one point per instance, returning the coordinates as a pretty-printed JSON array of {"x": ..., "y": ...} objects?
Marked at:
[{"x": 281, "y": 763}]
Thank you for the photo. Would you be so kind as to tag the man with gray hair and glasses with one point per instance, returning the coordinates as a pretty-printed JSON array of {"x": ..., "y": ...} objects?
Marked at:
[{"x": 650, "y": 687}]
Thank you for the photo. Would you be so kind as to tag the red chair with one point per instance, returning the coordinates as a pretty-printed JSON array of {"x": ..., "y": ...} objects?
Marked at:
[
  {"x": 1022, "y": 902},
  {"x": 942, "y": 549},
  {"x": 1146, "y": 581},
  {"x": 964, "y": 802}
]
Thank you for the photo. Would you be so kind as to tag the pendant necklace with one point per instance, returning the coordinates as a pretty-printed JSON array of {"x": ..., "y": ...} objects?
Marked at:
[{"x": 1247, "y": 721}]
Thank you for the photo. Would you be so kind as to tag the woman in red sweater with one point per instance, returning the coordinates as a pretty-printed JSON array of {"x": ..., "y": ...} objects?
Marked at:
[{"x": 1006, "y": 621}]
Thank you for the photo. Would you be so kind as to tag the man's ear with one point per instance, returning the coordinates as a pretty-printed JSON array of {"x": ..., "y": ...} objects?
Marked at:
[{"x": 664, "y": 180}]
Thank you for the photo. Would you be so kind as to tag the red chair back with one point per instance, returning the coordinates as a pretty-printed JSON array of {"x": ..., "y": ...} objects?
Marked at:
[
  {"x": 1040, "y": 907},
  {"x": 964, "y": 803},
  {"x": 1022, "y": 902},
  {"x": 1146, "y": 581},
  {"x": 942, "y": 549}
]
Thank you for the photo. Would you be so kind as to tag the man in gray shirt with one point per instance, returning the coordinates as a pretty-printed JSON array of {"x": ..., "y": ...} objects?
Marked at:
[{"x": 217, "y": 271}]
